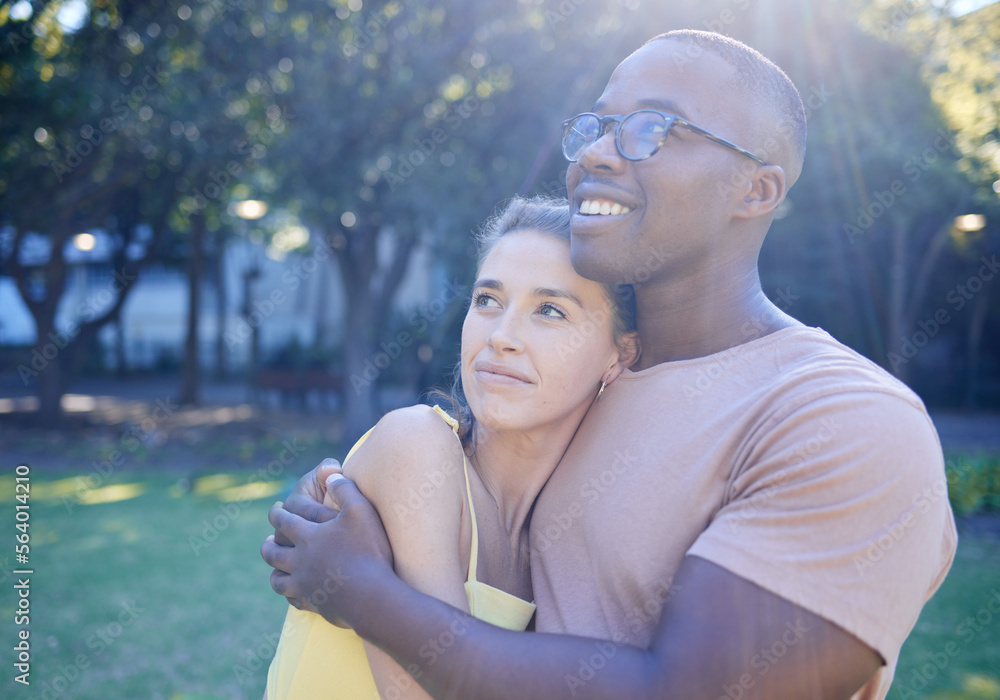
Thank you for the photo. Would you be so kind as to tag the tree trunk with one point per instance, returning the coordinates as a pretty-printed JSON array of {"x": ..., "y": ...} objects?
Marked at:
[
  {"x": 322, "y": 328},
  {"x": 190, "y": 379},
  {"x": 121, "y": 367},
  {"x": 973, "y": 342},
  {"x": 898, "y": 271},
  {"x": 50, "y": 385},
  {"x": 361, "y": 370},
  {"x": 369, "y": 290},
  {"x": 221, "y": 304}
]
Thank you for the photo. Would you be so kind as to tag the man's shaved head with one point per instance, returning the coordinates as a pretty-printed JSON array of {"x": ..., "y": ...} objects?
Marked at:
[{"x": 760, "y": 83}]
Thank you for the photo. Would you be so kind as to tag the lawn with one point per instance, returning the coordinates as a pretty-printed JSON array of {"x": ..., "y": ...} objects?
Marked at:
[
  {"x": 161, "y": 595},
  {"x": 155, "y": 589}
]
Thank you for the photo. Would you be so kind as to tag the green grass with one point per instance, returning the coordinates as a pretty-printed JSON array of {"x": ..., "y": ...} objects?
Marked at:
[
  {"x": 946, "y": 656},
  {"x": 194, "y": 618},
  {"x": 202, "y": 624}
]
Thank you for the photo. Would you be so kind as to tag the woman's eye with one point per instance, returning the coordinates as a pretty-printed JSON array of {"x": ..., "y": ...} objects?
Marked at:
[
  {"x": 484, "y": 300},
  {"x": 550, "y": 310}
]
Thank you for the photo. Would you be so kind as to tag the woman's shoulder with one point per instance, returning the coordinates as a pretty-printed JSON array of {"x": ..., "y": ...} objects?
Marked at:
[
  {"x": 410, "y": 450},
  {"x": 418, "y": 426}
]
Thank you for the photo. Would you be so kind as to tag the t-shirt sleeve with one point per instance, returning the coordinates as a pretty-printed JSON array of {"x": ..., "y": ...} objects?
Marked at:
[{"x": 841, "y": 507}]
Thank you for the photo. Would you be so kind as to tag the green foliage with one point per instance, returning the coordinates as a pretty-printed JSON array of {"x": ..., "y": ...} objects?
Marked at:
[
  {"x": 388, "y": 127},
  {"x": 974, "y": 483}
]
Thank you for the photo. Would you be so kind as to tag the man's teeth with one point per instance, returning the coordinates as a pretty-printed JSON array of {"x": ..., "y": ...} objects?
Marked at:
[{"x": 602, "y": 208}]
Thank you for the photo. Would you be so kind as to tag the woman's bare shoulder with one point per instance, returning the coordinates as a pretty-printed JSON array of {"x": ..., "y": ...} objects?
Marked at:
[{"x": 411, "y": 457}]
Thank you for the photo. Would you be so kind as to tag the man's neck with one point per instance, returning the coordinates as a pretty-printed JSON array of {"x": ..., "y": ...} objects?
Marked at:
[{"x": 686, "y": 321}]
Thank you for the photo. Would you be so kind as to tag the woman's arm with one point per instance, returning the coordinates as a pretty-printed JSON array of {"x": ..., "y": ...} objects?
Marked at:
[{"x": 411, "y": 469}]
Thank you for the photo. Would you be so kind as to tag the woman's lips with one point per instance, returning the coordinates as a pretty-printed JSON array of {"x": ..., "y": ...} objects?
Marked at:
[{"x": 503, "y": 375}]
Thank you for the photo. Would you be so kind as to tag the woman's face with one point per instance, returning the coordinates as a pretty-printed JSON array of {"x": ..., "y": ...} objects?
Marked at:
[{"x": 537, "y": 340}]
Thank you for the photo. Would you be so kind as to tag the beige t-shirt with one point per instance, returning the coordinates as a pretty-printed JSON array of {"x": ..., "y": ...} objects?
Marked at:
[{"x": 790, "y": 461}]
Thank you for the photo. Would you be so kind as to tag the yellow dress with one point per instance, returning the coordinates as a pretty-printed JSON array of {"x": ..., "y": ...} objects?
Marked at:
[{"x": 315, "y": 659}]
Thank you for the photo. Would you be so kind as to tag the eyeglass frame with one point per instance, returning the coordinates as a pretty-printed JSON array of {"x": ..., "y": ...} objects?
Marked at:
[{"x": 671, "y": 119}]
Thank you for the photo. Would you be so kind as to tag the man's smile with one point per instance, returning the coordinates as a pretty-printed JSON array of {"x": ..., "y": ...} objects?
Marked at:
[{"x": 602, "y": 207}]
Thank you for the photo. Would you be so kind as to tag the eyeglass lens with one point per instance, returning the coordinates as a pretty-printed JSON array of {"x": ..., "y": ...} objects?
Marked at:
[{"x": 638, "y": 137}]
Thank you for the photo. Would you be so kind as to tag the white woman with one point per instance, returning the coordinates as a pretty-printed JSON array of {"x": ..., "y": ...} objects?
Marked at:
[{"x": 455, "y": 492}]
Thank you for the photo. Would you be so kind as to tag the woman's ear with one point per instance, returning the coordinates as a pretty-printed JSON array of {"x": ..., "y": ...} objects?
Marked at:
[{"x": 628, "y": 353}]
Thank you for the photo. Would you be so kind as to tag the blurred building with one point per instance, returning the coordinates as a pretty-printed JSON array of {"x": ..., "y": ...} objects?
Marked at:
[{"x": 290, "y": 299}]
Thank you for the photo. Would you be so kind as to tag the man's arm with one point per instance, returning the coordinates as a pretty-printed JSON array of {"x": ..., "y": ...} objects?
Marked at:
[{"x": 715, "y": 637}]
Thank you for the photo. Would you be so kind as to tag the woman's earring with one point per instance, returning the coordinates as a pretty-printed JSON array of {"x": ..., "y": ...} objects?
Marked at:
[{"x": 601, "y": 390}]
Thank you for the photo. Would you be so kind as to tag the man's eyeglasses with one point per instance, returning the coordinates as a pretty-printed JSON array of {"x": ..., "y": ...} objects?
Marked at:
[{"x": 638, "y": 135}]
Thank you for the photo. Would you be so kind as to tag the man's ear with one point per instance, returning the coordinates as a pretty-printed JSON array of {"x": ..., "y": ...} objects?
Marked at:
[
  {"x": 628, "y": 353},
  {"x": 765, "y": 192}
]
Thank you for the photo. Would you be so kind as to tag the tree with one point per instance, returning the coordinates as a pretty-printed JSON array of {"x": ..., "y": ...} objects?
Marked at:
[
  {"x": 958, "y": 61},
  {"x": 119, "y": 127}
]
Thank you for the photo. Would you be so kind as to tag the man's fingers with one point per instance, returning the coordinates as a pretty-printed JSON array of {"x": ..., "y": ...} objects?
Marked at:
[
  {"x": 308, "y": 509},
  {"x": 288, "y": 526},
  {"x": 344, "y": 493},
  {"x": 280, "y": 582},
  {"x": 275, "y": 555},
  {"x": 309, "y": 485},
  {"x": 326, "y": 468}
]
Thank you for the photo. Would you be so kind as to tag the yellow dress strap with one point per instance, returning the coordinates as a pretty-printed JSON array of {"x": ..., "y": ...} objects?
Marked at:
[
  {"x": 447, "y": 418},
  {"x": 474, "y": 554}
]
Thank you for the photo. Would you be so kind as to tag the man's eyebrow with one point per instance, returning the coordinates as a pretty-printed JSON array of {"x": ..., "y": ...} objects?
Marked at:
[
  {"x": 559, "y": 293},
  {"x": 650, "y": 103}
]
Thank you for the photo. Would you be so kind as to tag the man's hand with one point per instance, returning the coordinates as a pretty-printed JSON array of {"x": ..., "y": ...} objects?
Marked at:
[
  {"x": 308, "y": 494},
  {"x": 330, "y": 567}
]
